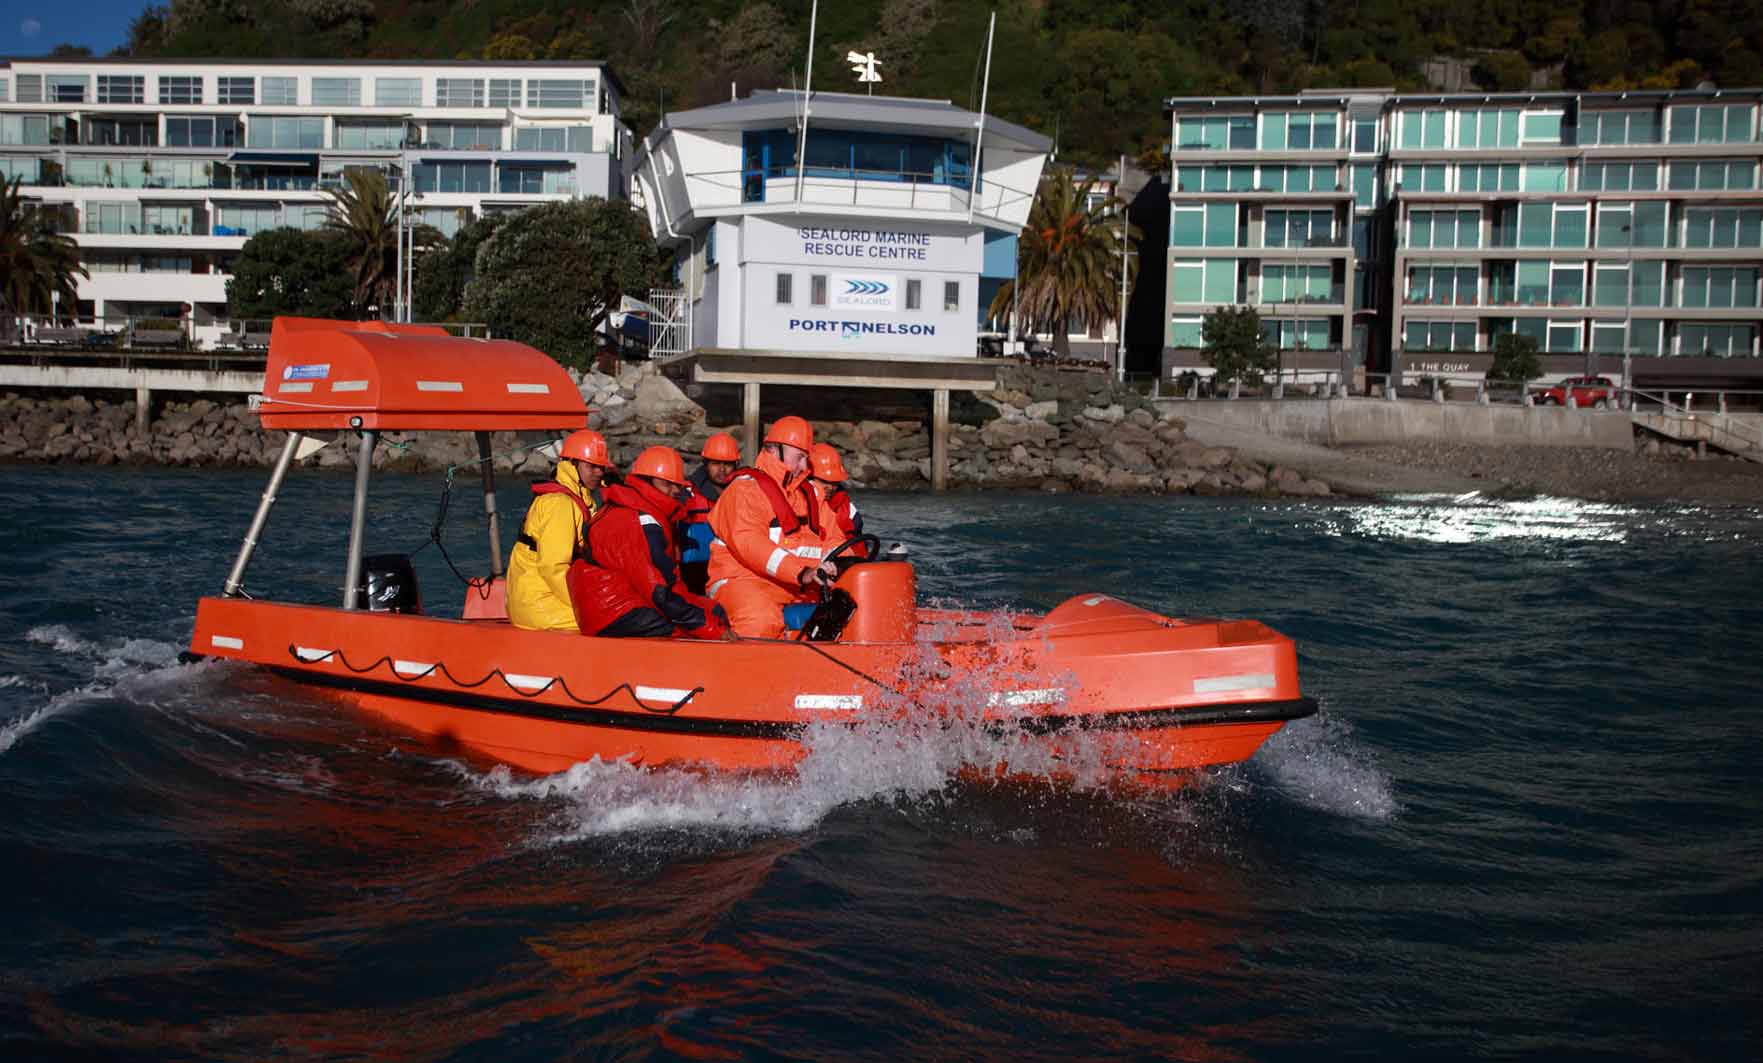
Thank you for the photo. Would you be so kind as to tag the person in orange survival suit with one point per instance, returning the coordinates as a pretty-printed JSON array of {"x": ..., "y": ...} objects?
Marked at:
[
  {"x": 827, "y": 472},
  {"x": 551, "y": 536},
  {"x": 722, "y": 456},
  {"x": 626, "y": 584},
  {"x": 772, "y": 529}
]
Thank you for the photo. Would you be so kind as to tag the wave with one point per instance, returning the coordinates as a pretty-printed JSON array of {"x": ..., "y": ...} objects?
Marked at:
[
  {"x": 1318, "y": 762},
  {"x": 132, "y": 669}
]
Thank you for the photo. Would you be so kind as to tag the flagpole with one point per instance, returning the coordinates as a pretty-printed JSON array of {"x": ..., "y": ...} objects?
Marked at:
[
  {"x": 807, "y": 94},
  {"x": 980, "y": 135}
]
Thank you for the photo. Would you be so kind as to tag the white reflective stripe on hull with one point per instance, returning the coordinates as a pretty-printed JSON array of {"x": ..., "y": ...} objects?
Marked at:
[
  {"x": 1220, "y": 684},
  {"x": 308, "y": 654},
  {"x": 1017, "y": 698},
  {"x": 667, "y": 694},
  {"x": 829, "y": 701},
  {"x": 439, "y": 385},
  {"x": 528, "y": 682},
  {"x": 529, "y": 389},
  {"x": 226, "y": 642},
  {"x": 412, "y": 667}
]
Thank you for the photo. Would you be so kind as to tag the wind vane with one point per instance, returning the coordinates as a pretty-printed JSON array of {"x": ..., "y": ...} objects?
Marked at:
[{"x": 864, "y": 64}]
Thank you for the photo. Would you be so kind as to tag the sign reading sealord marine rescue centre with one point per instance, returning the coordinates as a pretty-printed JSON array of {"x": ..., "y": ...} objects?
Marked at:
[{"x": 880, "y": 288}]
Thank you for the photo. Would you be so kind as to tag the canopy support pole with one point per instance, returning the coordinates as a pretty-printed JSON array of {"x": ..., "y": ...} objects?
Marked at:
[
  {"x": 939, "y": 439},
  {"x": 750, "y": 422},
  {"x": 236, "y": 578},
  {"x": 488, "y": 468},
  {"x": 358, "y": 517}
]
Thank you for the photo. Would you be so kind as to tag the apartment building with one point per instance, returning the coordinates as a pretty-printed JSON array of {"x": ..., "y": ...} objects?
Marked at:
[
  {"x": 1611, "y": 227},
  {"x": 161, "y": 170}
]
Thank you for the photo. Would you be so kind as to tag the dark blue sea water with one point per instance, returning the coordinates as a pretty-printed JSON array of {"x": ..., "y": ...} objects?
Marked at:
[{"x": 1527, "y": 823}]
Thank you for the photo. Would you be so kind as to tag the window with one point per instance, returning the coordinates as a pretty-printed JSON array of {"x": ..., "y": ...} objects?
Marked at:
[
  {"x": 1423, "y": 129},
  {"x": 1719, "y": 287},
  {"x": 236, "y": 90},
  {"x": 1717, "y": 175},
  {"x": 1365, "y": 187},
  {"x": 1720, "y": 341},
  {"x": 113, "y": 88},
  {"x": 548, "y": 180},
  {"x": 1545, "y": 177},
  {"x": 1364, "y": 136},
  {"x": 784, "y": 284},
  {"x": 1233, "y": 133},
  {"x": 281, "y": 90},
  {"x": 1297, "y": 228},
  {"x": 1206, "y": 225},
  {"x": 847, "y": 154},
  {"x": 1551, "y": 225},
  {"x": 1706, "y": 227},
  {"x": 24, "y": 129},
  {"x": 397, "y": 92},
  {"x": 554, "y": 93},
  {"x": 452, "y": 176},
  {"x": 465, "y": 136},
  {"x": 1619, "y": 177},
  {"x": 66, "y": 88},
  {"x": 817, "y": 289},
  {"x": 245, "y": 220},
  {"x": 504, "y": 92},
  {"x": 167, "y": 220},
  {"x": 459, "y": 92},
  {"x": 130, "y": 131},
  {"x": 1442, "y": 285},
  {"x": 276, "y": 131},
  {"x": 1542, "y": 127},
  {"x": 1289, "y": 334},
  {"x": 1444, "y": 228},
  {"x": 30, "y": 88},
  {"x": 1298, "y": 131},
  {"x": 914, "y": 294},
  {"x": 1564, "y": 337},
  {"x": 1486, "y": 129},
  {"x": 336, "y": 92},
  {"x": 180, "y": 89},
  {"x": 951, "y": 296},
  {"x": 1488, "y": 177},
  {"x": 710, "y": 255},
  {"x": 1427, "y": 178},
  {"x": 1294, "y": 284},
  {"x": 1439, "y": 335},
  {"x": 1618, "y": 127},
  {"x": 578, "y": 139},
  {"x": 1712, "y": 124},
  {"x": 1567, "y": 283},
  {"x": 202, "y": 131},
  {"x": 370, "y": 136},
  {"x": 1223, "y": 178}
]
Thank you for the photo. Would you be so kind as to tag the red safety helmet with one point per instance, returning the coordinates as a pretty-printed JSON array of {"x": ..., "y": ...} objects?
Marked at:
[
  {"x": 586, "y": 445},
  {"x": 721, "y": 447},
  {"x": 660, "y": 463},
  {"x": 791, "y": 432},
  {"x": 826, "y": 464}
]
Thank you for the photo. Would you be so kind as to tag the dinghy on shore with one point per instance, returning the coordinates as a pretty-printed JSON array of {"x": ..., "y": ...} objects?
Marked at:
[{"x": 1144, "y": 698}]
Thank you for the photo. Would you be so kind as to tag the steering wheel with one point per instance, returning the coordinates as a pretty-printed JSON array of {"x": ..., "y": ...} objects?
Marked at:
[{"x": 871, "y": 542}]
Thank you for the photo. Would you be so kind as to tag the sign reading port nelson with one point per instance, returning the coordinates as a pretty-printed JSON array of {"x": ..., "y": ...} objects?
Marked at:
[{"x": 874, "y": 289}]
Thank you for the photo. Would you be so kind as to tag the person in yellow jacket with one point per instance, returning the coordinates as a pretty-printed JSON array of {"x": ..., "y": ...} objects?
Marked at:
[
  {"x": 772, "y": 529},
  {"x": 552, "y": 535}
]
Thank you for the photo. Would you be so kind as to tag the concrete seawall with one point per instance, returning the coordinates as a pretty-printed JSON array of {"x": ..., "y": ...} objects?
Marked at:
[{"x": 1345, "y": 422}]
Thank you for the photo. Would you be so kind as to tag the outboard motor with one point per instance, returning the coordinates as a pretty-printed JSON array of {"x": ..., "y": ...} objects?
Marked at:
[
  {"x": 894, "y": 552},
  {"x": 389, "y": 585}
]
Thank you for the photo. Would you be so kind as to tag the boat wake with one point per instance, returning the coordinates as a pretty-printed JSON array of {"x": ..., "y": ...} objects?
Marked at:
[
  {"x": 1317, "y": 762},
  {"x": 129, "y": 668}
]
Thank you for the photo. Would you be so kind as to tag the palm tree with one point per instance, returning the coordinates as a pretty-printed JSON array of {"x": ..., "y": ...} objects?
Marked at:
[
  {"x": 1069, "y": 260},
  {"x": 37, "y": 263},
  {"x": 364, "y": 213}
]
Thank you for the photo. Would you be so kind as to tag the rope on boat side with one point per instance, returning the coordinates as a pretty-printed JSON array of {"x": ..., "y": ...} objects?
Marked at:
[{"x": 557, "y": 681}]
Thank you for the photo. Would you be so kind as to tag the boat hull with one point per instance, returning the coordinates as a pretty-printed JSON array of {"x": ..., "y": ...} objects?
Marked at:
[{"x": 1096, "y": 682}]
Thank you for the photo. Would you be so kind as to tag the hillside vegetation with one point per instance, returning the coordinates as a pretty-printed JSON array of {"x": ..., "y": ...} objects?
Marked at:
[{"x": 1091, "y": 73}]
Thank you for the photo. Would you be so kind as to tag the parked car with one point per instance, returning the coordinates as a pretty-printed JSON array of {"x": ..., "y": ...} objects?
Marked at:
[{"x": 1598, "y": 392}]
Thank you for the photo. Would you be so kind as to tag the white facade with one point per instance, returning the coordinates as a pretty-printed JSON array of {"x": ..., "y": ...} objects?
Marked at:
[
  {"x": 875, "y": 246},
  {"x": 163, "y": 169}
]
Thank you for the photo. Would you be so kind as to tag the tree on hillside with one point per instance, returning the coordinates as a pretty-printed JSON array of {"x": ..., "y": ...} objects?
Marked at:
[
  {"x": 363, "y": 212},
  {"x": 1233, "y": 344},
  {"x": 286, "y": 271},
  {"x": 550, "y": 275},
  {"x": 1068, "y": 260},
  {"x": 37, "y": 263}
]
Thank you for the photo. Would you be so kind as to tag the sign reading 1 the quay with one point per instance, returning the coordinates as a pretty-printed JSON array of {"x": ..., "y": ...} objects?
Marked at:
[{"x": 871, "y": 244}]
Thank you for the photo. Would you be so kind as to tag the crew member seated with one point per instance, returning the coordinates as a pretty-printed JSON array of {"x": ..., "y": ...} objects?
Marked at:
[
  {"x": 827, "y": 473},
  {"x": 722, "y": 456},
  {"x": 772, "y": 529},
  {"x": 551, "y": 536},
  {"x": 625, "y": 584}
]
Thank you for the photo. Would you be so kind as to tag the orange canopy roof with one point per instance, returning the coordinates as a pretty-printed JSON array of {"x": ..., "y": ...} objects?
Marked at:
[{"x": 369, "y": 374}]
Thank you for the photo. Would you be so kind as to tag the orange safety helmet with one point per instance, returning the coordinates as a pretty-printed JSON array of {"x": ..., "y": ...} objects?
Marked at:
[
  {"x": 791, "y": 432},
  {"x": 586, "y": 445},
  {"x": 721, "y": 447},
  {"x": 826, "y": 464},
  {"x": 660, "y": 463}
]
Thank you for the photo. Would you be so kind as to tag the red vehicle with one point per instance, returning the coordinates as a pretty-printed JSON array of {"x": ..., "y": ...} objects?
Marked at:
[{"x": 1598, "y": 392}]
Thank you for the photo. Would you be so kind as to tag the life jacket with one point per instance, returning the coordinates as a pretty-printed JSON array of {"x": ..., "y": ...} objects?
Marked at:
[
  {"x": 850, "y": 521},
  {"x": 552, "y": 487},
  {"x": 694, "y": 530},
  {"x": 784, "y": 517}
]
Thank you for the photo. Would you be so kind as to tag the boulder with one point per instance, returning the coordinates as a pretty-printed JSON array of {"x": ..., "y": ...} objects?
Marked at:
[
  {"x": 1216, "y": 458},
  {"x": 1045, "y": 410},
  {"x": 1111, "y": 413},
  {"x": 659, "y": 399},
  {"x": 1130, "y": 457}
]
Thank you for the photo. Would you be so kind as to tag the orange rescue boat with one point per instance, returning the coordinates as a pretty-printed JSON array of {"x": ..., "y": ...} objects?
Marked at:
[{"x": 1141, "y": 697}]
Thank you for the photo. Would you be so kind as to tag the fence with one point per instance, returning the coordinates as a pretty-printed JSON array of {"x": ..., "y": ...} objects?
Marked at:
[{"x": 48, "y": 334}]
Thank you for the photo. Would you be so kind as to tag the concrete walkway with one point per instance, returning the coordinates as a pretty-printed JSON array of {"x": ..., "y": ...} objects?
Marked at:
[{"x": 1342, "y": 470}]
